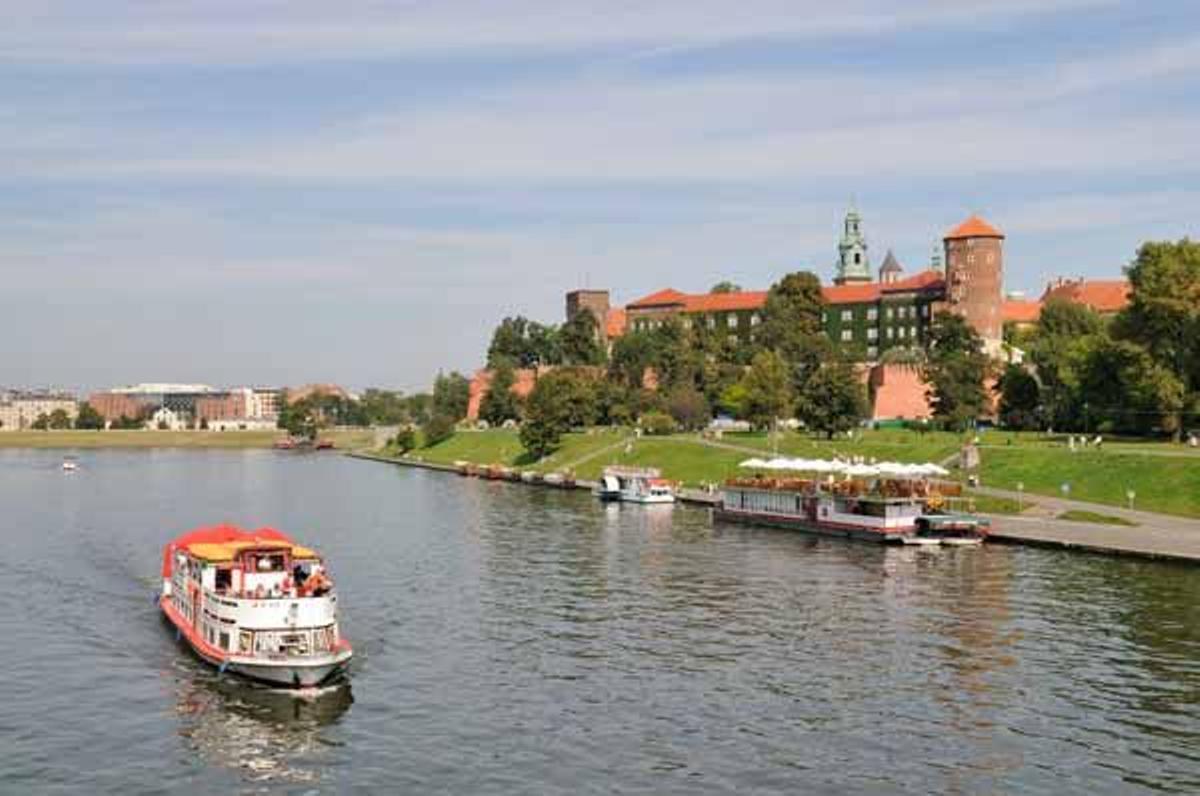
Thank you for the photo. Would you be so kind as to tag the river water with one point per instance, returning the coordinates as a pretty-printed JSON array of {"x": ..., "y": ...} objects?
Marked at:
[{"x": 518, "y": 640}]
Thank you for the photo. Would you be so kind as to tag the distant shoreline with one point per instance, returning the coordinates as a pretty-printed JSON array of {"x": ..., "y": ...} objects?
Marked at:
[{"x": 78, "y": 439}]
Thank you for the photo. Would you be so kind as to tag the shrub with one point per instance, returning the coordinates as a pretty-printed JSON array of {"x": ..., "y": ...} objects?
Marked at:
[
  {"x": 439, "y": 429},
  {"x": 657, "y": 423}
]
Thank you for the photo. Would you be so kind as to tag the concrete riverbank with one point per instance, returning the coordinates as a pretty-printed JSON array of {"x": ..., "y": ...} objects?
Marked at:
[{"x": 1157, "y": 536}]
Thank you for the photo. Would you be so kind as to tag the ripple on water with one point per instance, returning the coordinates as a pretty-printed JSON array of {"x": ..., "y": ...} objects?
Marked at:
[{"x": 525, "y": 640}]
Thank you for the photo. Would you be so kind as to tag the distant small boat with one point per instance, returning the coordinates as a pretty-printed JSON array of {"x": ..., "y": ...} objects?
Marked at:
[
  {"x": 609, "y": 488},
  {"x": 69, "y": 465},
  {"x": 324, "y": 444}
]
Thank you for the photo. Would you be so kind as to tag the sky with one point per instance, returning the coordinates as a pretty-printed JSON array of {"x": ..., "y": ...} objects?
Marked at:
[{"x": 287, "y": 191}]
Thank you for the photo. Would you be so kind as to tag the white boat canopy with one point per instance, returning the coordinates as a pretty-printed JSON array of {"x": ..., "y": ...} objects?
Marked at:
[{"x": 889, "y": 469}]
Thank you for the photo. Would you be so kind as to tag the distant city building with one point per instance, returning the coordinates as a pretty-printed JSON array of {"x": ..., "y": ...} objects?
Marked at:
[
  {"x": 20, "y": 409},
  {"x": 190, "y": 404},
  {"x": 853, "y": 263}
]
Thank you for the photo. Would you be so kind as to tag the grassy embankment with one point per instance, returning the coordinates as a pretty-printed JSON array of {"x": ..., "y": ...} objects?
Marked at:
[
  {"x": 343, "y": 439},
  {"x": 1091, "y": 516},
  {"x": 1166, "y": 478}
]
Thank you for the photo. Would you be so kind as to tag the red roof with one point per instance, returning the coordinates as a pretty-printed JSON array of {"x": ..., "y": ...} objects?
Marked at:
[
  {"x": 725, "y": 302},
  {"x": 218, "y": 534},
  {"x": 861, "y": 292},
  {"x": 974, "y": 227},
  {"x": 1102, "y": 295},
  {"x": 1020, "y": 311},
  {"x": 663, "y": 298}
]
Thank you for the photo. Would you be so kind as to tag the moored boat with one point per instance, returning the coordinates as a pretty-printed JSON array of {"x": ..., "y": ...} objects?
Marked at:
[
  {"x": 639, "y": 485},
  {"x": 609, "y": 488},
  {"x": 255, "y": 603},
  {"x": 872, "y": 506}
]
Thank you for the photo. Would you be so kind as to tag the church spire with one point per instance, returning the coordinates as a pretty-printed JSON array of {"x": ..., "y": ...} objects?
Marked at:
[{"x": 853, "y": 263}]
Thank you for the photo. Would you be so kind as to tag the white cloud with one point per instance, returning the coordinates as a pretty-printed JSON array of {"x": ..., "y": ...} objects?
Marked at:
[{"x": 227, "y": 31}]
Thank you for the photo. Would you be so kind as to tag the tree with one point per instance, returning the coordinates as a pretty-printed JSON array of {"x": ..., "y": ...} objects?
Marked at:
[
  {"x": 956, "y": 369},
  {"x": 688, "y": 407},
  {"x": 547, "y": 418},
  {"x": 524, "y": 344},
  {"x": 1020, "y": 398},
  {"x": 1060, "y": 318},
  {"x": 59, "y": 419},
  {"x": 791, "y": 316},
  {"x": 768, "y": 393},
  {"x": 1163, "y": 314},
  {"x": 579, "y": 340},
  {"x": 89, "y": 418},
  {"x": 1127, "y": 390},
  {"x": 41, "y": 423},
  {"x": 438, "y": 429},
  {"x": 383, "y": 407},
  {"x": 726, "y": 286},
  {"x": 451, "y": 395},
  {"x": 125, "y": 423},
  {"x": 657, "y": 424},
  {"x": 405, "y": 439},
  {"x": 500, "y": 403},
  {"x": 835, "y": 400},
  {"x": 300, "y": 418}
]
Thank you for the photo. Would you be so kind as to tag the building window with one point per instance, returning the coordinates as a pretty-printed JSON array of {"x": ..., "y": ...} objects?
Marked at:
[
  {"x": 872, "y": 333},
  {"x": 687, "y": 323},
  {"x": 754, "y": 319},
  {"x": 872, "y": 352},
  {"x": 847, "y": 316},
  {"x": 847, "y": 335},
  {"x": 925, "y": 310},
  {"x": 889, "y": 313},
  {"x": 890, "y": 332},
  {"x": 912, "y": 332},
  {"x": 712, "y": 321},
  {"x": 872, "y": 313},
  {"x": 731, "y": 320},
  {"x": 824, "y": 317}
]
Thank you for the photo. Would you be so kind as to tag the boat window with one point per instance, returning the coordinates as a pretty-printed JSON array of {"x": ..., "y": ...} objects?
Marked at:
[
  {"x": 224, "y": 640},
  {"x": 224, "y": 580}
]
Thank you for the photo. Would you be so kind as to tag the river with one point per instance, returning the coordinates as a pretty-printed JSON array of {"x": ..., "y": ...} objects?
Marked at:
[{"x": 519, "y": 640}]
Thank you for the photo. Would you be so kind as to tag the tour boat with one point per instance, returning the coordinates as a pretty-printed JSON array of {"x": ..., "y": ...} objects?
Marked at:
[
  {"x": 640, "y": 485},
  {"x": 887, "y": 510},
  {"x": 254, "y": 603}
]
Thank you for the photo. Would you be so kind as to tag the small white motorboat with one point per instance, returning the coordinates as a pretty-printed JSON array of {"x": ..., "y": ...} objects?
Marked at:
[{"x": 69, "y": 465}]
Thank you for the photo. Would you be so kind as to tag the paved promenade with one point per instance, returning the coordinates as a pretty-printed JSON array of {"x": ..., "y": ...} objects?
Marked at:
[{"x": 1155, "y": 535}]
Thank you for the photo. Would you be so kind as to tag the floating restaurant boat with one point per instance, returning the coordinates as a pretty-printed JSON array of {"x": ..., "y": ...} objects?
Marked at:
[
  {"x": 636, "y": 485},
  {"x": 254, "y": 603},
  {"x": 889, "y": 503}
]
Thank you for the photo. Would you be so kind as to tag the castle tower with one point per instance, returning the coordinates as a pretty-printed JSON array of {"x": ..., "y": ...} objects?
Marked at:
[
  {"x": 975, "y": 277},
  {"x": 891, "y": 271},
  {"x": 853, "y": 264}
]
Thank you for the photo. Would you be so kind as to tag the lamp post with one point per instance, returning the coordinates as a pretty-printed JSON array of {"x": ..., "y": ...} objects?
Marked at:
[
  {"x": 1020, "y": 494},
  {"x": 1131, "y": 495}
]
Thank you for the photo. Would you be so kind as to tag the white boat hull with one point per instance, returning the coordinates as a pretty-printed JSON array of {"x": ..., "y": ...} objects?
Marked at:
[
  {"x": 290, "y": 674},
  {"x": 648, "y": 499}
]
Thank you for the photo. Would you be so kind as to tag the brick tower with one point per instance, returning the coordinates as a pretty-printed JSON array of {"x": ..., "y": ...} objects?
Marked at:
[{"x": 975, "y": 278}]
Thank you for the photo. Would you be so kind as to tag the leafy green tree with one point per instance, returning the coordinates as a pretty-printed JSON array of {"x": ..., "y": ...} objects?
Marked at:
[
  {"x": 524, "y": 344},
  {"x": 547, "y": 418},
  {"x": 384, "y": 407},
  {"x": 726, "y": 286},
  {"x": 835, "y": 400},
  {"x": 125, "y": 423},
  {"x": 300, "y": 418},
  {"x": 580, "y": 341},
  {"x": 59, "y": 419},
  {"x": 1127, "y": 390},
  {"x": 1164, "y": 313},
  {"x": 688, "y": 407},
  {"x": 439, "y": 428},
  {"x": 499, "y": 402},
  {"x": 451, "y": 395},
  {"x": 41, "y": 422},
  {"x": 89, "y": 418},
  {"x": 733, "y": 400},
  {"x": 1020, "y": 398},
  {"x": 657, "y": 423},
  {"x": 1063, "y": 319},
  {"x": 956, "y": 369},
  {"x": 418, "y": 408},
  {"x": 768, "y": 394},
  {"x": 791, "y": 317},
  {"x": 405, "y": 439}
]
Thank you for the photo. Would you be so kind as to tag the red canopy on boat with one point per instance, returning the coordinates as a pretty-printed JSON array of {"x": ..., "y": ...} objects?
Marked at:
[{"x": 217, "y": 534}]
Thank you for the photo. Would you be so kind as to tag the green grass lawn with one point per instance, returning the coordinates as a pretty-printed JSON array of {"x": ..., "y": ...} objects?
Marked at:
[
  {"x": 885, "y": 445},
  {"x": 500, "y": 446},
  {"x": 1090, "y": 516},
  {"x": 1170, "y": 485},
  {"x": 348, "y": 439},
  {"x": 988, "y": 504}
]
